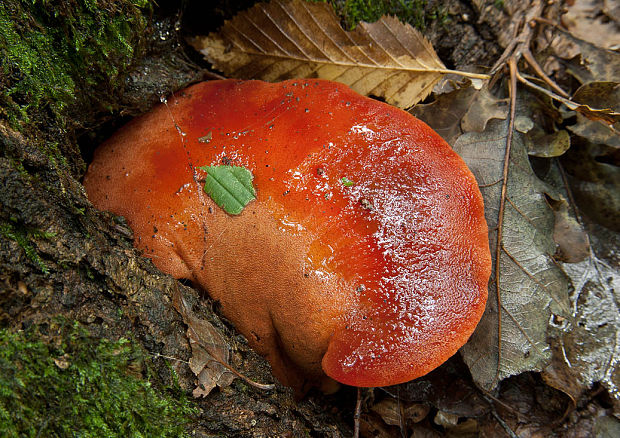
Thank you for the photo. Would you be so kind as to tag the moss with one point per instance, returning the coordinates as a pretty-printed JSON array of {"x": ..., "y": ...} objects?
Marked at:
[
  {"x": 53, "y": 50},
  {"x": 24, "y": 237},
  {"x": 418, "y": 13},
  {"x": 76, "y": 385}
]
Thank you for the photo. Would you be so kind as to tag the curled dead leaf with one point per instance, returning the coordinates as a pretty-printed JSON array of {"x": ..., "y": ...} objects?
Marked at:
[{"x": 210, "y": 352}]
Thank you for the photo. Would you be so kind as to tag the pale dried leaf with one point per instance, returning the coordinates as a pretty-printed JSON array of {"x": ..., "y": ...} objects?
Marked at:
[
  {"x": 389, "y": 410},
  {"x": 588, "y": 62},
  {"x": 210, "y": 352},
  {"x": 511, "y": 338},
  {"x": 296, "y": 39},
  {"x": 586, "y": 19}
]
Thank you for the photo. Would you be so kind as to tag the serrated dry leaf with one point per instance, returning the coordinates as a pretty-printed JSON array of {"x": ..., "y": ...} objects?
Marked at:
[
  {"x": 511, "y": 338},
  {"x": 209, "y": 350},
  {"x": 296, "y": 39}
]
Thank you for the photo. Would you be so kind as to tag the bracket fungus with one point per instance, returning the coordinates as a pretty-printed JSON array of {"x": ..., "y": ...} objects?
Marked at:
[{"x": 364, "y": 256}]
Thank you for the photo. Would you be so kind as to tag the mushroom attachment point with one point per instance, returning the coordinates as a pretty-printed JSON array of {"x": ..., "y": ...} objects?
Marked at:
[{"x": 362, "y": 253}]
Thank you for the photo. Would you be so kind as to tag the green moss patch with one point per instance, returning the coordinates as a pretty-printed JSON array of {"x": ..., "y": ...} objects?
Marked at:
[
  {"x": 53, "y": 50},
  {"x": 76, "y": 385},
  {"x": 418, "y": 13}
]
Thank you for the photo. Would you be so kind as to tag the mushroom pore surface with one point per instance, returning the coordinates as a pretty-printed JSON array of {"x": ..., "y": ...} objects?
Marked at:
[{"x": 365, "y": 255}]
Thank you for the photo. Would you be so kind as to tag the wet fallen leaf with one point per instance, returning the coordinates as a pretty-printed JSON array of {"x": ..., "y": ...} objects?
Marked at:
[
  {"x": 511, "y": 338},
  {"x": 287, "y": 39},
  {"x": 587, "y": 348},
  {"x": 591, "y": 346},
  {"x": 210, "y": 352}
]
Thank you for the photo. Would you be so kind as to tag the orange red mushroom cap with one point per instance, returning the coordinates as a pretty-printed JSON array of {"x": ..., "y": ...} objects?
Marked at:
[{"x": 365, "y": 255}]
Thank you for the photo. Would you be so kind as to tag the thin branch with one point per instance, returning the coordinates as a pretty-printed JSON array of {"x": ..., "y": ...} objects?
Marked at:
[
  {"x": 502, "y": 207},
  {"x": 527, "y": 55},
  {"x": 358, "y": 414}
]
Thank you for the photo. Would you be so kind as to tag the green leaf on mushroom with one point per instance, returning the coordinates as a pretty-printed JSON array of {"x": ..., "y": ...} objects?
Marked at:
[
  {"x": 347, "y": 182},
  {"x": 230, "y": 187}
]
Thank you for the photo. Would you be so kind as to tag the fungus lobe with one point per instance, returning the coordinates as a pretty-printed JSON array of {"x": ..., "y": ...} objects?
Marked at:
[{"x": 364, "y": 256}]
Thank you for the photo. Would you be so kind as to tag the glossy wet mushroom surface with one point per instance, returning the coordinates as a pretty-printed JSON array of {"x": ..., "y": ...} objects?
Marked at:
[{"x": 364, "y": 256}]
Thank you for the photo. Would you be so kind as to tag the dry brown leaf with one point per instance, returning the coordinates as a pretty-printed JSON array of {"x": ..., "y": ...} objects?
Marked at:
[
  {"x": 462, "y": 110},
  {"x": 512, "y": 335},
  {"x": 295, "y": 39},
  {"x": 389, "y": 410},
  {"x": 592, "y": 21},
  {"x": 210, "y": 353}
]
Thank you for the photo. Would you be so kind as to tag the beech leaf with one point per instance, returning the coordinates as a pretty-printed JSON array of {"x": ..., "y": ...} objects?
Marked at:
[
  {"x": 512, "y": 335},
  {"x": 296, "y": 39},
  {"x": 230, "y": 187}
]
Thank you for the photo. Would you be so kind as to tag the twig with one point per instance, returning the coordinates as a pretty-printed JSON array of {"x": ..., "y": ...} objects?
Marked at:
[
  {"x": 512, "y": 64},
  {"x": 358, "y": 414},
  {"x": 527, "y": 55}
]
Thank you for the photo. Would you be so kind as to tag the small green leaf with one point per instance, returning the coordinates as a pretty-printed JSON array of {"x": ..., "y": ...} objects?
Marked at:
[
  {"x": 229, "y": 186},
  {"x": 347, "y": 182}
]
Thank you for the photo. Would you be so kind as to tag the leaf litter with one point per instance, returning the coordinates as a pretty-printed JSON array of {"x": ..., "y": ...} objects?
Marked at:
[{"x": 553, "y": 298}]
